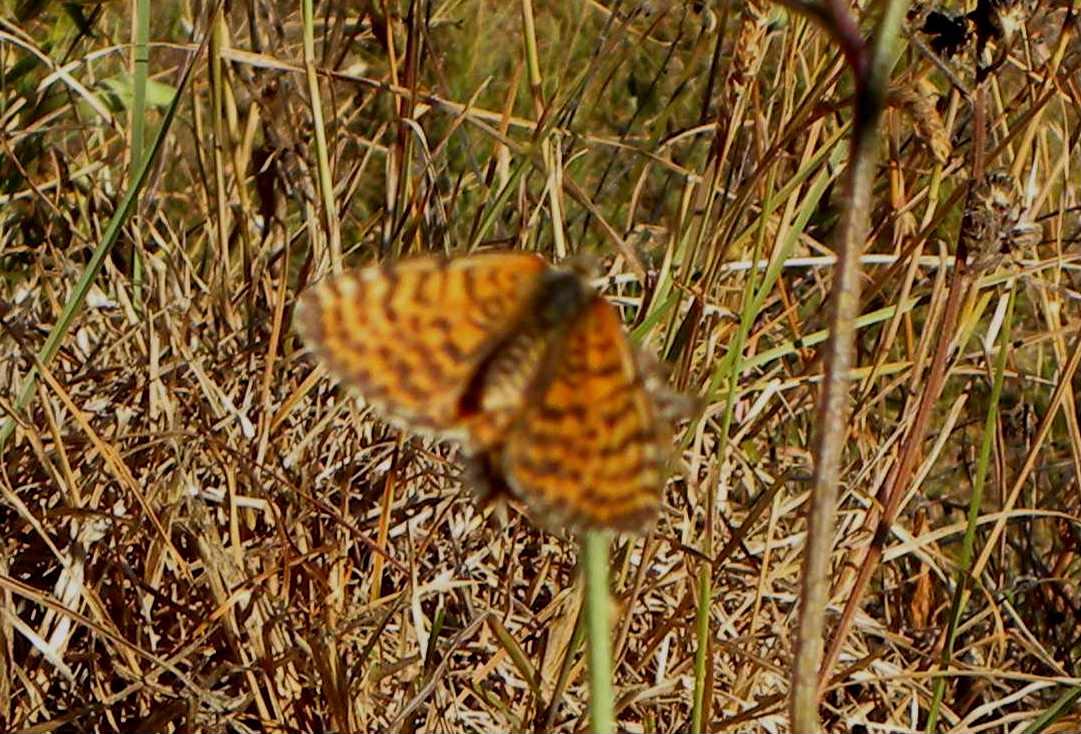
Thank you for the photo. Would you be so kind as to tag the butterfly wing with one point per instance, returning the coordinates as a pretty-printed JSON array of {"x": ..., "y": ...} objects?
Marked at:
[
  {"x": 587, "y": 450},
  {"x": 410, "y": 336}
]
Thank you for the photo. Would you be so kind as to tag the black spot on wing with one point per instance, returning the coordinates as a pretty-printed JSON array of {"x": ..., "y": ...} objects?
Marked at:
[
  {"x": 405, "y": 383},
  {"x": 452, "y": 350},
  {"x": 607, "y": 371},
  {"x": 632, "y": 474},
  {"x": 469, "y": 284},
  {"x": 641, "y": 436},
  {"x": 548, "y": 468},
  {"x": 391, "y": 280}
]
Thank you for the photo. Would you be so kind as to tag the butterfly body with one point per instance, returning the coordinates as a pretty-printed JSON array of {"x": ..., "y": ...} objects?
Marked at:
[
  {"x": 525, "y": 365},
  {"x": 521, "y": 365}
]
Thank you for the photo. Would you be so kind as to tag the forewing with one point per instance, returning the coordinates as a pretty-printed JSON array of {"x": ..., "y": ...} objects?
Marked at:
[
  {"x": 410, "y": 336},
  {"x": 587, "y": 451}
]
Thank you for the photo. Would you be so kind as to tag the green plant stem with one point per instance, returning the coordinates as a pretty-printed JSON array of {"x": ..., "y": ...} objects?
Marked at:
[
  {"x": 140, "y": 63},
  {"x": 701, "y": 631},
  {"x": 964, "y": 563},
  {"x": 598, "y": 630}
]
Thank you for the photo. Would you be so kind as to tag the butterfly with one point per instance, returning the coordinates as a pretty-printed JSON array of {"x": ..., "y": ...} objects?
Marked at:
[{"x": 523, "y": 364}]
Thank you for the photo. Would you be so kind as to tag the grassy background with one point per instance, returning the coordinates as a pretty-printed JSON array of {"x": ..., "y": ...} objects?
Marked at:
[{"x": 200, "y": 532}]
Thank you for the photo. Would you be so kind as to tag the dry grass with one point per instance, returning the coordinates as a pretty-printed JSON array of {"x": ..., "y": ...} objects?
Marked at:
[{"x": 202, "y": 533}]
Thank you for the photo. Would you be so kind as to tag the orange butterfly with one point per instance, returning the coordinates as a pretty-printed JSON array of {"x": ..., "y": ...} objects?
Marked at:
[{"x": 525, "y": 365}]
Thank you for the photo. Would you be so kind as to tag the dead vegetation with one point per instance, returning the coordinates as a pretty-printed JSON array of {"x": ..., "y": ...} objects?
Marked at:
[{"x": 201, "y": 532}]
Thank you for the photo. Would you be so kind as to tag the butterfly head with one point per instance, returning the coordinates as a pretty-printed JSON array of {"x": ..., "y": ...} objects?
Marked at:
[{"x": 561, "y": 296}]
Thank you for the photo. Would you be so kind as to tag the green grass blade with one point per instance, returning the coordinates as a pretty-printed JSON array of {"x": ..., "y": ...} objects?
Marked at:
[
  {"x": 598, "y": 630},
  {"x": 141, "y": 63},
  {"x": 964, "y": 563}
]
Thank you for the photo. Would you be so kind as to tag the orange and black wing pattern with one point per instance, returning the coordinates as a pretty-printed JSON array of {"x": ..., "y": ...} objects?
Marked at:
[
  {"x": 411, "y": 336},
  {"x": 586, "y": 450}
]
